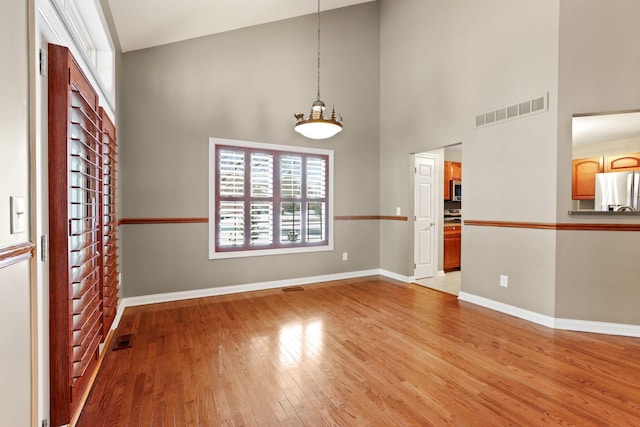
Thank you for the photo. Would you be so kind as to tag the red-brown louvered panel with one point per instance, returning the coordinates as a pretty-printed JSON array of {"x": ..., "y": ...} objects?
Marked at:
[
  {"x": 75, "y": 229},
  {"x": 110, "y": 221}
]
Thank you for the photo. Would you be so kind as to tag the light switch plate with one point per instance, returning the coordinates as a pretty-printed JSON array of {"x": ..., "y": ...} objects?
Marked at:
[{"x": 18, "y": 215}]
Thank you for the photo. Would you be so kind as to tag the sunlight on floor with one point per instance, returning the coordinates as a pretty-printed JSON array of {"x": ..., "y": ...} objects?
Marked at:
[{"x": 449, "y": 283}]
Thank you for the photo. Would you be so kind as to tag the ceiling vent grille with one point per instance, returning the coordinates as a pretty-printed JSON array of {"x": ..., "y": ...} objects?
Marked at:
[{"x": 538, "y": 104}]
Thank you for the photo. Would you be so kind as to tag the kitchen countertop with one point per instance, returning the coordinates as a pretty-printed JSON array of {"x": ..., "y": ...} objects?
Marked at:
[{"x": 603, "y": 213}]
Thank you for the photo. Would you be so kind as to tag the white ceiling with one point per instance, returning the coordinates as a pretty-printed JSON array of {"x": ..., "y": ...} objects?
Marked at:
[
  {"x": 605, "y": 127},
  {"x": 146, "y": 23}
]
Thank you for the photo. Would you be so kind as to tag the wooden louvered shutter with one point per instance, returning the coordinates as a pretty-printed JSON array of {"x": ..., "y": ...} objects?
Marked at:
[
  {"x": 75, "y": 232},
  {"x": 110, "y": 221}
]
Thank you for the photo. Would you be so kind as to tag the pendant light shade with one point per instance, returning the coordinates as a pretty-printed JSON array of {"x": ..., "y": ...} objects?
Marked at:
[{"x": 316, "y": 125}]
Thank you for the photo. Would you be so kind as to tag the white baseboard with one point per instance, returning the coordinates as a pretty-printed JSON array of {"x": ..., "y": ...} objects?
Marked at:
[
  {"x": 531, "y": 316},
  {"x": 119, "y": 312},
  {"x": 234, "y": 289},
  {"x": 395, "y": 276},
  {"x": 598, "y": 327},
  {"x": 552, "y": 322},
  {"x": 518, "y": 312}
]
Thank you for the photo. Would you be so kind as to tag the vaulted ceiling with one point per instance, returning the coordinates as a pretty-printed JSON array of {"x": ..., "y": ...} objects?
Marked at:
[{"x": 146, "y": 23}]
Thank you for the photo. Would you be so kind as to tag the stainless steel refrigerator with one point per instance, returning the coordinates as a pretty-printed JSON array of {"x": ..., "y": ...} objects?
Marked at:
[{"x": 617, "y": 191}]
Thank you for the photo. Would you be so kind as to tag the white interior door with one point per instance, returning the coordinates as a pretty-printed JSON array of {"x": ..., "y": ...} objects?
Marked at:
[{"x": 425, "y": 230}]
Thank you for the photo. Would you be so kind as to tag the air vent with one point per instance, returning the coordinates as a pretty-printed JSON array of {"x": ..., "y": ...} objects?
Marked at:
[
  {"x": 524, "y": 108},
  {"x": 538, "y": 104},
  {"x": 293, "y": 289},
  {"x": 123, "y": 341}
]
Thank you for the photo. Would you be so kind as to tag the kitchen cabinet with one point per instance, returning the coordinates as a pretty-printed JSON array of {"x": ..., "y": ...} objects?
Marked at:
[
  {"x": 622, "y": 162},
  {"x": 584, "y": 177},
  {"x": 456, "y": 171},
  {"x": 584, "y": 172},
  {"x": 452, "y": 245},
  {"x": 452, "y": 172}
]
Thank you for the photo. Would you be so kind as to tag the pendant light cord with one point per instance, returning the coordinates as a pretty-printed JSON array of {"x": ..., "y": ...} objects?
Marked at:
[{"x": 318, "y": 99}]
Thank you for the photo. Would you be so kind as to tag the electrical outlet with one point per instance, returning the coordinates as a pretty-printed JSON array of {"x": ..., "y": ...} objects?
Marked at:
[
  {"x": 345, "y": 256},
  {"x": 504, "y": 281},
  {"x": 398, "y": 211}
]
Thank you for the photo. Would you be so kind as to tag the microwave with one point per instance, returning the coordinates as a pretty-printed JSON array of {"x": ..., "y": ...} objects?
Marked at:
[{"x": 456, "y": 191}]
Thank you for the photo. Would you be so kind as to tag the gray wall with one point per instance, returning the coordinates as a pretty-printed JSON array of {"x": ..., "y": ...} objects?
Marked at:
[
  {"x": 597, "y": 271},
  {"x": 447, "y": 62},
  {"x": 15, "y": 315},
  {"x": 245, "y": 85},
  {"x": 442, "y": 63}
]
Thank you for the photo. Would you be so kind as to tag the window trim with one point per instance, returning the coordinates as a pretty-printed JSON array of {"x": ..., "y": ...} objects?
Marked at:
[{"x": 213, "y": 253}]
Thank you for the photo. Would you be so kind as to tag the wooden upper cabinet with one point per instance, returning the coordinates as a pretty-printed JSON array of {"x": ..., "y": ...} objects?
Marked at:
[
  {"x": 452, "y": 172},
  {"x": 584, "y": 177},
  {"x": 447, "y": 180},
  {"x": 623, "y": 162},
  {"x": 584, "y": 172},
  {"x": 456, "y": 171}
]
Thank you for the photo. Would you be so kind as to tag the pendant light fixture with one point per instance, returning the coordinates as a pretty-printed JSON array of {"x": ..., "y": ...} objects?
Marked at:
[{"x": 316, "y": 126}]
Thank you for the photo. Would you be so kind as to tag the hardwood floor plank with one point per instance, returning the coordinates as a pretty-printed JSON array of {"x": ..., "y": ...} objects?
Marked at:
[{"x": 358, "y": 352}]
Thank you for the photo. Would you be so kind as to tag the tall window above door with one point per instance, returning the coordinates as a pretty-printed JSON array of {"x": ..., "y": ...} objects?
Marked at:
[
  {"x": 86, "y": 25},
  {"x": 268, "y": 199}
]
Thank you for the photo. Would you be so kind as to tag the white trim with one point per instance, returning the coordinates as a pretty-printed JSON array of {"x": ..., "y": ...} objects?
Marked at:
[
  {"x": 598, "y": 327},
  {"x": 54, "y": 20},
  {"x": 552, "y": 322},
  {"x": 234, "y": 289},
  {"x": 540, "y": 319},
  {"x": 119, "y": 313},
  {"x": 263, "y": 252},
  {"x": 521, "y": 313},
  {"x": 396, "y": 276}
]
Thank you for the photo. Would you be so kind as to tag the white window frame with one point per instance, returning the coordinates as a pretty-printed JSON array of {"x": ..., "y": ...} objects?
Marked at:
[{"x": 213, "y": 254}]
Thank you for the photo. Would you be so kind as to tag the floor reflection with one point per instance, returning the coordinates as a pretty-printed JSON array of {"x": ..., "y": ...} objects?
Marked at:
[{"x": 300, "y": 341}]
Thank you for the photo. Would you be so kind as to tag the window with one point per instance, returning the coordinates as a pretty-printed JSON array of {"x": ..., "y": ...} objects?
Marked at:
[
  {"x": 86, "y": 24},
  {"x": 268, "y": 199}
]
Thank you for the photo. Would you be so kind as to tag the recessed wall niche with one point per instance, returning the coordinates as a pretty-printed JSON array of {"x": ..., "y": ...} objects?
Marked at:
[{"x": 597, "y": 137}]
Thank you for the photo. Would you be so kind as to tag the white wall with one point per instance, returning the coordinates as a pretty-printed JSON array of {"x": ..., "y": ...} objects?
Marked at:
[{"x": 15, "y": 303}]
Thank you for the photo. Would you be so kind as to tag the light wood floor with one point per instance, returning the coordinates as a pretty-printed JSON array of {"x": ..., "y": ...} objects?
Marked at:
[{"x": 363, "y": 352}]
